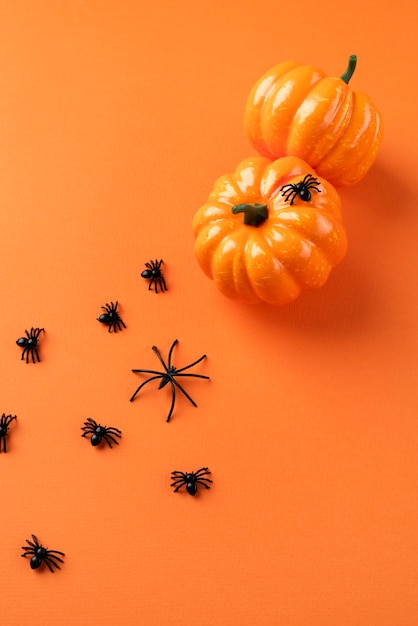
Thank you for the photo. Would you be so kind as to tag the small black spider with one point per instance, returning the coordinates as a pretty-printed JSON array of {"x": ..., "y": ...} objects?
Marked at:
[
  {"x": 30, "y": 344},
  {"x": 4, "y": 427},
  {"x": 191, "y": 480},
  {"x": 111, "y": 317},
  {"x": 41, "y": 555},
  {"x": 154, "y": 273},
  {"x": 98, "y": 433},
  {"x": 169, "y": 376},
  {"x": 301, "y": 189}
]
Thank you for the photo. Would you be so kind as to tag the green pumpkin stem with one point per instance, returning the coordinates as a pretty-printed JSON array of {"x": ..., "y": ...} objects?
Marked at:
[
  {"x": 352, "y": 62},
  {"x": 254, "y": 214}
]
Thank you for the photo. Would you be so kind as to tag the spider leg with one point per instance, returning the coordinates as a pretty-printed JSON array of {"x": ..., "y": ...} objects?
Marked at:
[
  {"x": 175, "y": 342},
  {"x": 109, "y": 437},
  {"x": 184, "y": 392},
  {"x": 37, "y": 355},
  {"x": 3, "y": 439},
  {"x": 179, "y": 487},
  {"x": 201, "y": 471},
  {"x": 87, "y": 430},
  {"x": 149, "y": 372},
  {"x": 28, "y": 551},
  {"x": 197, "y": 480},
  {"x": 157, "y": 352},
  {"x": 52, "y": 559},
  {"x": 114, "y": 431},
  {"x": 182, "y": 369},
  {"x": 163, "y": 285},
  {"x": 173, "y": 400},
  {"x": 46, "y": 561},
  {"x": 142, "y": 385},
  {"x": 151, "y": 282},
  {"x": 193, "y": 376},
  {"x": 182, "y": 481},
  {"x": 178, "y": 473},
  {"x": 52, "y": 552}
]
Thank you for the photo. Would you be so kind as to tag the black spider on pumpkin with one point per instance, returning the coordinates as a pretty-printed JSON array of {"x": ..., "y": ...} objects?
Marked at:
[
  {"x": 302, "y": 189},
  {"x": 30, "y": 344},
  {"x": 5, "y": 421},
  {"x": 154, "y": 273},
  {"x": 40, "y": 555},
  {"x": 191, "y": 480},
  {"x": 99, "y": 433},
  {"x": 169, "y": 376},
  {"x": 111, "y": 317}
]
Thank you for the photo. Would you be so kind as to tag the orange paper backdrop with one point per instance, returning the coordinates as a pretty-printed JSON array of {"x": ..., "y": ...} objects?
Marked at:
[{"x": 115, "y": 120}]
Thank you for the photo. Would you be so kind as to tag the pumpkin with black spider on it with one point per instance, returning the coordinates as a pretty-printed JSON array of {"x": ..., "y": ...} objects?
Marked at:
[{"x": 269, "y": 231}]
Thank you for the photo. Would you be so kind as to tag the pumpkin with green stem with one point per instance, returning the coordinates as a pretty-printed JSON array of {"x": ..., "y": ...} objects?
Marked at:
[
  {"x": 298, "y": 110},
  {"x": 269, "y": 231}
]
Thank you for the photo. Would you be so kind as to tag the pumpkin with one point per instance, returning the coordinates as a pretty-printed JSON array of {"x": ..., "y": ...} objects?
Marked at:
[
  {"x": 297, "y": 110},
  {"x": 269, "y": 231}
]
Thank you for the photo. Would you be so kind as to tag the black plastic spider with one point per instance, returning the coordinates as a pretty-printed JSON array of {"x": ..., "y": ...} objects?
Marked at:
[
  {"x": 41, "y": 555},
  {"x": 4, "y": 427},
  {"x": 98, "y": 433},
  {"x": 169, "y": 376},
  {"x": 30, "y": 344},
  {"x": 301, "y": 189},
  {"x": 154, "y": 273},
  {"x": 191, "y": 480},
  {"x": 111, "y": 317}
]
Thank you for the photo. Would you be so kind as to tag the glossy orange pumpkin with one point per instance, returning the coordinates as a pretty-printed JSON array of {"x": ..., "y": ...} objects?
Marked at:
[
  {"x": 269, "y": 231},
  {"x": 297, "y": 110}
]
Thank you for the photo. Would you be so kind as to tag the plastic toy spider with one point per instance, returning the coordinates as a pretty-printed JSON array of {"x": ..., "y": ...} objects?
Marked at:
[
  {"x": 30, "y": 344},
  {"x": 191, "y": 480},
  {"x": 301, "y": 189},
  {"x": 154, "y": 273},
  {"x": 4, "y": 427},
  {"x": 98, "y": 433},
  {"x": 41, "y": 555},
  {"x": 169, "y": 376},
  {"x": 111, "y": 317}
]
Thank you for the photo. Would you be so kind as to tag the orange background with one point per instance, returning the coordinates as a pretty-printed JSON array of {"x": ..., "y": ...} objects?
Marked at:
[{"x": 116, "y": 118}]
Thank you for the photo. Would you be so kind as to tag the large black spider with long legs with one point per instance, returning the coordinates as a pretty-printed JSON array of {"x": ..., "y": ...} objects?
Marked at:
[
  {"x": 5, "y": 421},
  {"x": 302, "y": 189},
  {"x": 155, "y": 276},
  {"x": 169, "y": 376},
  {"x": 40, "y": 555},
  {"x": 30, "y": 344},
  {"x": 191, "y": 480},
  {"x": 111, "y": 317},
  {"x": 100, "y": 433}
]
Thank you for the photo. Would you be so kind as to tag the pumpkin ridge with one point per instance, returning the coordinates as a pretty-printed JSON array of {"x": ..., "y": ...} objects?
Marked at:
[{"x": 274, "y": 133}]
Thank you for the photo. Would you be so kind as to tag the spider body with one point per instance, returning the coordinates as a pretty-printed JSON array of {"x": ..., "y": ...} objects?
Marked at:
[
  {"x": 169, "y": 376},
  {"x": 302, "y": 189},
  {"x": 154, "y": 274},
  {"x": 191, "y": 480},
  {"x": 5, "y": 421},
  {"x": 99, "y": 433},
  {"x": 111, "y": 317},
  {"x": 30, "y": 344},
  {"x": 40, "y": 555}
]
